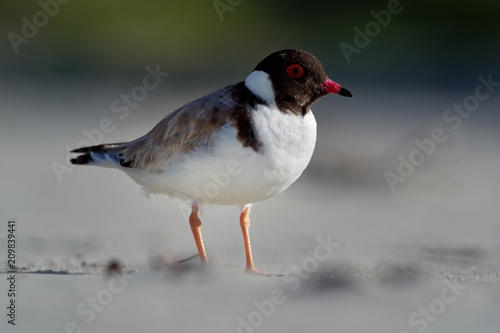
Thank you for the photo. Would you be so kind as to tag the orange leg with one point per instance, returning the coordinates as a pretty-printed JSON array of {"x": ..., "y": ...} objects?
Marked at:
[
  {"x": 245, "y": 227},
  {"x": 195, "y": 223}
]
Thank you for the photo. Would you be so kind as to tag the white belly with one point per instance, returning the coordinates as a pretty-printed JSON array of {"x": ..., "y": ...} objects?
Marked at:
[{"x": 230, "y": 174}]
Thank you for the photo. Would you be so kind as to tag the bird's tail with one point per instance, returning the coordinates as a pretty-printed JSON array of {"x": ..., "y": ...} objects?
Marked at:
[{"x": 101, "y": 155}]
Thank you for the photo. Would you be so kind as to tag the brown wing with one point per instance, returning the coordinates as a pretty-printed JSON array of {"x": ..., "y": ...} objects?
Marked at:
[{"x": 182, "y": 130}]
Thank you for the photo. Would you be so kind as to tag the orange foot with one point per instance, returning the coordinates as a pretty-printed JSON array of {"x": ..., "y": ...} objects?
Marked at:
[{"x": 254, "y": 271}]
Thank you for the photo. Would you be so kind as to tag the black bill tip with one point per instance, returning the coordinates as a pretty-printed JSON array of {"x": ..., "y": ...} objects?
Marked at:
[{"x": 345, "y": 92}]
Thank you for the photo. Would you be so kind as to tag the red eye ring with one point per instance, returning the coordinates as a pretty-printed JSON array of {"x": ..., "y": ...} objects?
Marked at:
[{"x": 295, "y": 71}]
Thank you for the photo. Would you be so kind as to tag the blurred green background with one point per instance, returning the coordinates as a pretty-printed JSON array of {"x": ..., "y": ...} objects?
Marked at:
[{"x": 428, "y": 42}]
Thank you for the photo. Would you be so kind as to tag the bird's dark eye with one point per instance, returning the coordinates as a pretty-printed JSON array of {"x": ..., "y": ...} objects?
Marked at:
[{"x": 295, "y": 71}]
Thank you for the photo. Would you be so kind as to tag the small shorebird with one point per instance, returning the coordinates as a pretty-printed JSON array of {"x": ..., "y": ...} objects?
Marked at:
[{"x": 244, "y": 143}]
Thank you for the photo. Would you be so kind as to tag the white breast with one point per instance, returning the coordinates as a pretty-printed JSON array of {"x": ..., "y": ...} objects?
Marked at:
[{"x": 288, "y": 144}]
